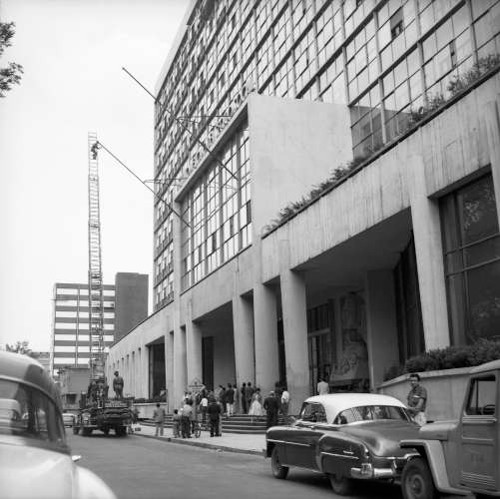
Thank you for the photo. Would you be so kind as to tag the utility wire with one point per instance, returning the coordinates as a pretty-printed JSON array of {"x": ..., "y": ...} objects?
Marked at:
[
  {"x": 98, "y": 145},
  {"x": 179, "y": 121}
]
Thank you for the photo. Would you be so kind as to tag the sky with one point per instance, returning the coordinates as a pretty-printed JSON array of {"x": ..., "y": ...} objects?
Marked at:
[{"x": 72, "y": 52}]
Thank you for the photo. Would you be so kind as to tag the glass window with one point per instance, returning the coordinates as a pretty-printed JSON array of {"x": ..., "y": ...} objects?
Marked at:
[
  {"x": 471, "y": 244},
  {"x": 482, "y": 397}
]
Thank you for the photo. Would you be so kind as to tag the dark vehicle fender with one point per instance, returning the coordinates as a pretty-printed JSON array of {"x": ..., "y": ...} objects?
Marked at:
[
  {"x": 338, "y": 453},
  {"x": 432, "y": 451}
]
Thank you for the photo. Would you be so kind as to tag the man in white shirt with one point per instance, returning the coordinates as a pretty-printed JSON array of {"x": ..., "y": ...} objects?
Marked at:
[{"x": 323, "y": 387}]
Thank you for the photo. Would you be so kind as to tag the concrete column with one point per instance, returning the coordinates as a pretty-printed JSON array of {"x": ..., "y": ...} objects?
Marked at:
[
  {"x": 244, "y": 359},
  {"x": 169, "y": 370},
  {"x": 180, "y": 374},
  {"x": 266, "y": 338},
  {"x": 193, "y": 350},
  {"x": 429, "y": 255},
  {"x": 293, "y": 298},
  {"x": 492, "y": 113},
  {"x": 381, "y": 324}
]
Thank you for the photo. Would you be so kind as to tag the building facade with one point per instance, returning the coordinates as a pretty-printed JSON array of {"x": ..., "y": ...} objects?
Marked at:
[
  {"x": 328, "y": 183},
  {"x": 125, "y": 305}
]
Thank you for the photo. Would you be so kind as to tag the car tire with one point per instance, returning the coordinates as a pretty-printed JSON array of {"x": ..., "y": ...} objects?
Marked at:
[
  {"x": 279, "y": 471},
  {"x": 76, "y": 429},
  {"x": 341, "y": 485},
  {"x": 86, "y": 432},
  {"x": 417, "y": 481},
  {"x": 106, "y": 431}
]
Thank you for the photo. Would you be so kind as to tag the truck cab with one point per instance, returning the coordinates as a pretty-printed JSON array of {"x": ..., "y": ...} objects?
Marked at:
[{"x": 460, "y": 457}]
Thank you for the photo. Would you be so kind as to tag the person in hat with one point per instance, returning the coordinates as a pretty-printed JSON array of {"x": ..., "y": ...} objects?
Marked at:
[
  {"x": 118, "y": 385},
  {"x": 272, "y": 406}
]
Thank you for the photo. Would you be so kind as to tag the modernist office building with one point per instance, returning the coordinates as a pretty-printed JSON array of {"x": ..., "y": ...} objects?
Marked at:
[
  {"x": 261, "y": 103},
  {"x": 125, "y": 305}
]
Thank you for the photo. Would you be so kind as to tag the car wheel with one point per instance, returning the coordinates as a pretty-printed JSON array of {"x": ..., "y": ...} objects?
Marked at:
[
  {"x": 76, "y": 429},
  {"x": 417, "y": 482},
  {"x": 86, "y": 432},
  {"x": 279, "y": 471},
  {"x": 106, "y": 431},
  {"x": 341, "y": 485}
]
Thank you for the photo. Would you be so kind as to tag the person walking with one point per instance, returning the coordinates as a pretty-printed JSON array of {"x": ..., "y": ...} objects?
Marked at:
[
  {"x": 118, "y": 385},
  {"x": 417, "y": 400},
  {"x": 214, "y": 411},
  {"x": 271, "y": 405},
  {"x": 285, "y": 403},
  {"x": 243, "y": 398},
  {"x": 323, "y": 387},
  {"x": 187, "y": 413},
  {"x": 256, "y": 405},
  {"x": 249, "y": 392},
  {"x": 159, "y": 419},
  {"x": 229, "y": 400}
]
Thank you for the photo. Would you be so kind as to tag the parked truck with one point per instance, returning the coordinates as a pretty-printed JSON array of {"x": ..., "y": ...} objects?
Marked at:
[
  {"x": 98, "y": 412},
  {"x": 459, "y": 457}
]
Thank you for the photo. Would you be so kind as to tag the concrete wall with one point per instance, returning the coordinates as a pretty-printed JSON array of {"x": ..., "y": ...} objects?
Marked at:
[
  {"x": 445, "y": 391},
  {"x": 293, "y": 145},
  {"x": 131, "y": 301}
]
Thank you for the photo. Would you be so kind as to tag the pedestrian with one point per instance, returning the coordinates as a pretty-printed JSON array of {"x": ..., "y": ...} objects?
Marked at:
[
  {"x": 285, "y": 403},
  {"x": 243, "y": 398},
  {"x": 230, "y": 400},
  {"x": 417, "y": 400},
  {"x": 118, "y": 385},
  {"x": 271, "y": 405},
  {"x": 203, "y": 407},
  {"x": 222, "y": 398},
  {"x": 323, "y": 387},
  {"x": 249, "y": 391},
  {"x": 159, "y": 419},
  {"x": 256, "y": 405},
  {"x": 186, "y": 418},
  {"x": 214, "y": 411},
  {"x": 176, "y": 426}
]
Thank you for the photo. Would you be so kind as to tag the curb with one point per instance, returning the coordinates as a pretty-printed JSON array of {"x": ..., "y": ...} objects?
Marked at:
[{"x": 205, "y": 445}]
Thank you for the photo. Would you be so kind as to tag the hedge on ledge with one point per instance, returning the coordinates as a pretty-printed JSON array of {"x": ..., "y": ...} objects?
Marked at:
[{"x": 448, "y": 358}]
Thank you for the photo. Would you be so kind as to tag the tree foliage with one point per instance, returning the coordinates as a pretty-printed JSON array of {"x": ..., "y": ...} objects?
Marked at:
[
  {"x": 11, "y": 74},
  {"x": 21, "y": 347}
]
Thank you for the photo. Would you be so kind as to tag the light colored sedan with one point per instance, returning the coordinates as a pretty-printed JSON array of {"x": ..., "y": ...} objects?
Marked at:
[
  {"x": 68, "y": 419},
  {"x": 347, "y": 436},
  {"x": 35, "y": 460}
]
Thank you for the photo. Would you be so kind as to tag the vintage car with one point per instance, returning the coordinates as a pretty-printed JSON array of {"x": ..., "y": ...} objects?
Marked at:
[
  {"x": 347, "y": 436},
  {"x": 69, "y": 419},
  {"x": 35, "y": 460}
]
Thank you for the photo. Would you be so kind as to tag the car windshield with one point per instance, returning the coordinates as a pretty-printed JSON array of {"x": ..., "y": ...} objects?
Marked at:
[
  {"x": 27, "y": 412},
  {"x": 371, "y": 413}
]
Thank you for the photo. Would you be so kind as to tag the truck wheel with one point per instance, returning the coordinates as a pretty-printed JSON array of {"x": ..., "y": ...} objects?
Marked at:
[
  {"x": 417, "y": 482},
  {"x": 121, "y": 431},
  {"x": 279, "y": 471},
  {"x": 341, "y": 485},
  {"x": 86, "y": 432}
]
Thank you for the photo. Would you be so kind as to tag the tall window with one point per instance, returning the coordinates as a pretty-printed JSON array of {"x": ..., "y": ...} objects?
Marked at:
[{"x": 471, "y": 243}]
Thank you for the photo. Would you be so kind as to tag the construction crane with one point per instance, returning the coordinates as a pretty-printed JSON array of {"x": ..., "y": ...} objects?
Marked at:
[{"x": 96, "y": 302}]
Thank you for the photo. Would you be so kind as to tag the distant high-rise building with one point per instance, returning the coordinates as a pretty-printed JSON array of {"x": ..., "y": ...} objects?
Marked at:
[{"x": 125, "y": 305}]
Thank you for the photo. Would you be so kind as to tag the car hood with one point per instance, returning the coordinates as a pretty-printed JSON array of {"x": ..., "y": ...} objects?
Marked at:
[
  {"x": 27, "y": 472},
  {"x": 383, "y": 437}
]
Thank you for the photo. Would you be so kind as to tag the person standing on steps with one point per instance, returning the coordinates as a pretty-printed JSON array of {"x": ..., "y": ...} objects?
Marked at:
[{"x": 271, "y": 405}]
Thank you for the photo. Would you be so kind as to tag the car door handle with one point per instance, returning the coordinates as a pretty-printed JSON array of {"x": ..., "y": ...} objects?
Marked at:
[{"x": 348, "y": 452}]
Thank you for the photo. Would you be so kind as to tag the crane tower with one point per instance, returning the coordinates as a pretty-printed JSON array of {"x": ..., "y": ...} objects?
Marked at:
[{"x": 96, "y": 306}]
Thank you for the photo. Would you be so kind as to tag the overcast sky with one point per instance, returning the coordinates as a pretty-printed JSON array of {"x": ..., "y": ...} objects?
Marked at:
[{"x": 72, "y": 52}]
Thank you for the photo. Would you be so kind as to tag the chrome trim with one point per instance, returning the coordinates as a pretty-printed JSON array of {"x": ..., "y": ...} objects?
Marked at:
[
  {"x": 376, "y": 473},
  {"x": 338, "y": 455}
]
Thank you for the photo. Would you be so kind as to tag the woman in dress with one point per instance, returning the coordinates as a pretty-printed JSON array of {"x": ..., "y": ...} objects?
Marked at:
[{"x": 256, "y": 405}]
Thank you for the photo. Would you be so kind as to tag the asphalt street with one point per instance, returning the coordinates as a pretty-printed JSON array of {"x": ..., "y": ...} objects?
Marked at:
[{"x": 145, "y": 468}]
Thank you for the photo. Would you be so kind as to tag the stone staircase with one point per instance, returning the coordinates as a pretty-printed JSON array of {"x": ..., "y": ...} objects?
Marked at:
[{"x": 239, "y": 423}]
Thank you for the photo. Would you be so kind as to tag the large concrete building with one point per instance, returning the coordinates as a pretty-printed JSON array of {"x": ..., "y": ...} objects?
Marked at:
[
  {"x": 328, "y": 181},
  {"x": 125, "y": 305}
]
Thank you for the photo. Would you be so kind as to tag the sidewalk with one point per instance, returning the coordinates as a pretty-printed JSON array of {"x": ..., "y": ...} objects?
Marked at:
[{"x": 230, "y": 442}]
